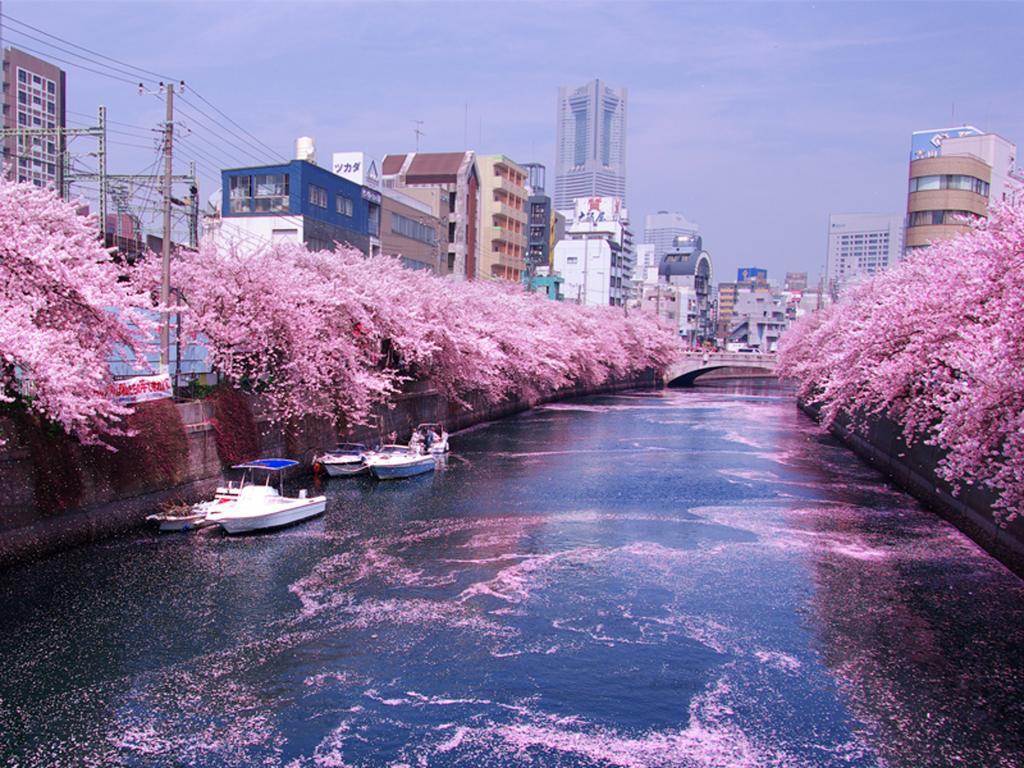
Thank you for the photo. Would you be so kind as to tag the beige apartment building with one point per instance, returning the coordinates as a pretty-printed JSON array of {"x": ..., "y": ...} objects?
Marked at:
[
  {"x": 955, "y": 174},
  {"x": 503, "y": 214}
]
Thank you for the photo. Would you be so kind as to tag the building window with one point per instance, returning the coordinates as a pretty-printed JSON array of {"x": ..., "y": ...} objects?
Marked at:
[
  {"x": 451, "y": 231},
  {"x": 373, "y": 219},
  {"x": 22, "y": 75},
  {"x": 240, "y": 194},
  {"x": 270, "y": 192},
  {"x": 949, "y": 181},
  {"x": 317, "y": 196},
  {"x": 343, "y": 205},
  {"x": 451, "y": 202},
  {"x": 933, "y": 218},
  {"x": 406, "y": 227}
]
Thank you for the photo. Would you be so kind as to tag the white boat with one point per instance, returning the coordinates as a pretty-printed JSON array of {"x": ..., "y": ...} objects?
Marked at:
[
  {"x": 194, "y": 517},
  {"x": 347, "y": 460},
  {"x": 393, "y": 462},
  {"x": 260, "y": 506},
  {"x": 190, "y": 520},
  {"x": 429, "y": 438}
]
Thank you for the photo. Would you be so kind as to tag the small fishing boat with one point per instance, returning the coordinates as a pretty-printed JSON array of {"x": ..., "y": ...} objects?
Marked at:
[
  {"x": 173, "y": 520},
  {"x": 429, "y": 438},
  {"x": 185, "y": 517},
  {"x": 259, "y": 506},
  {"x": 393, "y": 462},
  {"x": 347, "y": 460}
]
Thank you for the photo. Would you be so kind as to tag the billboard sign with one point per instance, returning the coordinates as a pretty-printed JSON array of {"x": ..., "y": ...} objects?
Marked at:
[
  {"x": 751, "y": 275},
  {"x": 139, "y": 389},
  {"x": 929, "y": 143},
  {"x": 598, "y": 209},
  {"x": 357, "y": 167}
]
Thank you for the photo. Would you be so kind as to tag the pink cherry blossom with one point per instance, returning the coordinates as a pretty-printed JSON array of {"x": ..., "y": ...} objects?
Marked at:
[
  {"x": 332, "y": 334},
  {"x": 63, "y": 312},
  {"x": 936, "y": 343}
]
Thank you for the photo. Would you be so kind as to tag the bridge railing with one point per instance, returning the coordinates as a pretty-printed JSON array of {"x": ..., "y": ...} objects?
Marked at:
[{"x": 750, "y": 358}]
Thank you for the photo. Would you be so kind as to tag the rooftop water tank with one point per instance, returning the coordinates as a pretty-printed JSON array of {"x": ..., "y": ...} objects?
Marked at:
[{"x": 305, "y": 149}]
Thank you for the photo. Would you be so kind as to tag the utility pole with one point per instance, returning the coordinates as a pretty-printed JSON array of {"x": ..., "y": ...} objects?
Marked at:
[
  {"x": 101, "y": 164},
  {"x": 193, "y": 219},
  {"x": 167, "y": 91},
  {"x": 165, "y": 257}
]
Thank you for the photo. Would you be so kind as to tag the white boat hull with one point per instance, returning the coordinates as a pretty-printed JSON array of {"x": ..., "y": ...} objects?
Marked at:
[
  {"x": 343, "y": 469},
  {"x": 272, "y": 515},
  {"x": 168, "y": 523},
  {"x": 385, "y": 469}
]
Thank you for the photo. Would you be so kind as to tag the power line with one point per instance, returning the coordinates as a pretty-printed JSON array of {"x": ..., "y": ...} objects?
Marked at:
[
  {"x": 72, "y": 53},
  {"x": 49, "y": 55},
  {"x": 83, "y": 48},
  {"x": 214, "y": 107},
  {"x": 113, "y": 122},
  {"x": 232, "y": 153},
  {"x": 275, "y": 157}
]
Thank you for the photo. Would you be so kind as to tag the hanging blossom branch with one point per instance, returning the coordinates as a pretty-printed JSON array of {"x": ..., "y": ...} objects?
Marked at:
[
  {"x": 63, "y": 312},
  {"x": 936, "y": 343}
]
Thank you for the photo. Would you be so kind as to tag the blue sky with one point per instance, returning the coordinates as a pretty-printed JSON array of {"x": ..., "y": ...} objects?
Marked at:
[{"x": 755, "y": 120}]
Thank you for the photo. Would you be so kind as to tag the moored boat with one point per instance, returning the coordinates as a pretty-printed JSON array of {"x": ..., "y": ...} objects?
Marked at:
[
  {"x": 393, "y": 462},
  {"x": 260, "y": 506},
  {"x": 346, "y": 460},
  {"x": 174, "y": 521},
  {"x": 429, "y": 438}
]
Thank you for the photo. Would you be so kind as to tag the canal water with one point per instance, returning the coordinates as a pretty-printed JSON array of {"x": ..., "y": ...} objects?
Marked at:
[{"x": 677, "y": 578}]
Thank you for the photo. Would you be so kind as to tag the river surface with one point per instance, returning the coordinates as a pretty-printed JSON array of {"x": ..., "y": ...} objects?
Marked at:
[{"x": 677, "y": 578}]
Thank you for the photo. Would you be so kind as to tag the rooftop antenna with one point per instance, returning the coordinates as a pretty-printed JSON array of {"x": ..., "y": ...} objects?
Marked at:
[{"x": 418, "y": 133}]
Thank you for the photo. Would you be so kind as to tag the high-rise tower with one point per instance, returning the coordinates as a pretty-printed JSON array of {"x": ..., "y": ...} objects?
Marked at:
[{"x": 590, "y": 154}]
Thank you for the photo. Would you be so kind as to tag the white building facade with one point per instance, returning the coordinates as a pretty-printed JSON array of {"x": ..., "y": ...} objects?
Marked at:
[
  {"x": 860, "y": 245},
  {"x": 596, "y": 256}
]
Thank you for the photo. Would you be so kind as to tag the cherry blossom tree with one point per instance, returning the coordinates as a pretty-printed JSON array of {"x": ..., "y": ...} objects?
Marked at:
[
  {"x": 334, "y": 333},
  {"x": 63, "y": 312},
  {"x": 937, "y": 344}
]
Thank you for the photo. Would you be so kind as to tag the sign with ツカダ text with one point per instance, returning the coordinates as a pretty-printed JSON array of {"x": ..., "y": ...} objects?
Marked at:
[{"x": 141, "y": 388}]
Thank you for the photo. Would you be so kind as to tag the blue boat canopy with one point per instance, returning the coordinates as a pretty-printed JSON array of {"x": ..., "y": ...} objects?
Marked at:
[{"x": 274, "y": 465}]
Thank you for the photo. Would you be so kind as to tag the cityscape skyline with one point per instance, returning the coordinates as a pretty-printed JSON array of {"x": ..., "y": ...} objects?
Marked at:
[{"x": 698, "y": 143}]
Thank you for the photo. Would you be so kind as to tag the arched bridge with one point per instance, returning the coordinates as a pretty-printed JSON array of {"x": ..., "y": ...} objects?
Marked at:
[{"x": 692, "y": 365}]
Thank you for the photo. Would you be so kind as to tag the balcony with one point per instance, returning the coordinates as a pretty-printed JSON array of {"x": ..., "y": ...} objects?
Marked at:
[
  {"x": 505, "y": 235},
  {"x": 503, "y": 209},
  {"x": 505, "y": 186}
]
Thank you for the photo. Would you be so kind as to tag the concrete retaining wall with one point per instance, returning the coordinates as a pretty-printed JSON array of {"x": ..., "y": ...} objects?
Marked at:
[
  {"x": 28, "y": 532},
  {"x": 914, "y": 469}
]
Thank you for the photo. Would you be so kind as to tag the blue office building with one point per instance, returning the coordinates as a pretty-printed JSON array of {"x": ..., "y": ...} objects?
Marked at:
[{"x": 300, "y": 202}]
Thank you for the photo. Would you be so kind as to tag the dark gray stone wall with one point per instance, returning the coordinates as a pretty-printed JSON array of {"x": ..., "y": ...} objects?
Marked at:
[
  {"x": 26, "y": 532},
  {"x": 913, "y": 468}
]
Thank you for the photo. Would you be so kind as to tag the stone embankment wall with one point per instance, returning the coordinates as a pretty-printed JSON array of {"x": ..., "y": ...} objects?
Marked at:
[
  {"x": 914, "y": 469},
  {"x": 30, "y": 527}
]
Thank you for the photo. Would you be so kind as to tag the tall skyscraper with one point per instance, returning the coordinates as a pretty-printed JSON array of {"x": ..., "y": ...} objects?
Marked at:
[
  {"x": 662, "y": 228},
  {"x": 33, "y": 99},
  {"x": 861, "y": 244},
  {"x": 590, "y": 154}
]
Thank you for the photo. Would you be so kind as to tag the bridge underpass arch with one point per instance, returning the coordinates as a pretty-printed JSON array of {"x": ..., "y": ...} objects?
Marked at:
[{"x": 687, "y": 379}]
